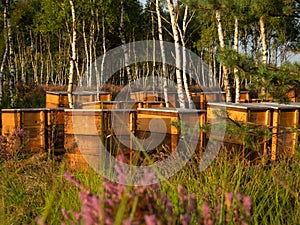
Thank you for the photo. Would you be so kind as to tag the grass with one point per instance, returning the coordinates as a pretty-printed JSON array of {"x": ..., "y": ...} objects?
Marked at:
[{"x": 32, "y": 187}]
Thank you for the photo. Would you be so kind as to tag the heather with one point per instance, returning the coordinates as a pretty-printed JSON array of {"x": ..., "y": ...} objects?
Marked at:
[{"x": 39, "y": 189}]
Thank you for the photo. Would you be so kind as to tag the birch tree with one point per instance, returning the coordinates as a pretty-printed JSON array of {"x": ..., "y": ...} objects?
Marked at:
[
  {"x": 4, "y": 59},
  {"x": 73, "y": 56},
  {"x": 222, "y": 46},
  {"x": 174, "y": 17},
  {"x": 163, "y": 56},
  {"x": 125, "y": 50},
  {"x": 182, "y": 33},
  {"x": 11, "y": 56}
]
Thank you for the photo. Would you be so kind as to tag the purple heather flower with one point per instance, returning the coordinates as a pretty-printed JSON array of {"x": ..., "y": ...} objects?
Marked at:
[
  {"x": 127, "y": 222},
  {"x": 185, "y": 219},
  {"x": 150, "y": 220},
  {"x": 206, "y": 214},
  {"x": 247, "y": 205}
]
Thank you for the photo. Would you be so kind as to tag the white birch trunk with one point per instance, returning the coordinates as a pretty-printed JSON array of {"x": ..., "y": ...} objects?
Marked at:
[
  {"x": 236, "y": 49},
  {"x": 264, "y": 47},
  {"x": 87, "y": 56},
  {"x": 11, "y": 56},
  {"x": 153, "y": 53},
  {"x": 163, "y": 56},
  {"x": 184, "y": 57},
  {"x": 222, "y": 45},
  {"x": 123, "y": 40},
  {"x": 177, "y": 53},
  {"x": 91, "y": 41},
  {"x": 73, "y": 57},
  {"x": 104, "y": 50}
]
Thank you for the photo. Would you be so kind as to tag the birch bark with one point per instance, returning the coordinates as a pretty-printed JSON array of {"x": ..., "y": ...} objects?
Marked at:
[{"x": 177, "y": 53}]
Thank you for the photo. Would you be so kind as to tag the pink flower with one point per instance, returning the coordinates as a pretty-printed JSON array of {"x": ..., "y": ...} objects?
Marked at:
[{"x": 150, "y": 220}]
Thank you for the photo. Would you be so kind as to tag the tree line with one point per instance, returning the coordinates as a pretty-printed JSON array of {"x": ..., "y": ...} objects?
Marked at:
[{"x": 244, "y": 43}]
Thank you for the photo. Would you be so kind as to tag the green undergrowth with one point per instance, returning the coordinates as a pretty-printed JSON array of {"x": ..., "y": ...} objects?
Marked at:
[{"x": 34, "y": 187}]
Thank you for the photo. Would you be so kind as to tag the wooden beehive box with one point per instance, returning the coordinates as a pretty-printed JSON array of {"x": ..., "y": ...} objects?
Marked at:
[
  {"x": 32, "y": 122},
  {"x": 130, "y": 105},
  {"x": 104, "y": 96},
  {"x": 214, "y": 96},
  {"x": 168, "y": 124},
  {"x": 101, "y": 105},
  {"x": 90, "y": 132},
  {"x": 235, "y": 116},
  {"x": 244, "y": 96},
  {"x": 83, "y": 129},
  {"x": 198, "y": 99},
  {"x": 154, "y": 104},
  {"x": 294, "y": 94},
  {"x": 244, "y": 112},
  {"x": 55, "y": 129},
  {"x": 83, "y": 96},
  {"x": 285, "y": 119},
  {"x": 138, "y": 96},
  {"x": 57, "y": 99}
]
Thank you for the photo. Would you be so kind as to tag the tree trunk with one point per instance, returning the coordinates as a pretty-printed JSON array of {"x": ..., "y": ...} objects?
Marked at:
[
  {"x": 163, "y": 56},
  {"x": 73, "y": 57},
  {"x": 1, "y": 71},
  {"x": 184, "y": 57},
  {"x": 177, "y": 53},
  {"x": 125, "y": 50},
  {"x": 11, "y": 56},
  {"x": 87, "y": 58},
  {"x": 264, "y": 47},
  {"x": 104, "y": 50},
  {"x": 222, "y": 45},
  {"x": 91, "y": 43},
  {"x": 236, "y": 49},
  {"x": 153, "y": 53}
]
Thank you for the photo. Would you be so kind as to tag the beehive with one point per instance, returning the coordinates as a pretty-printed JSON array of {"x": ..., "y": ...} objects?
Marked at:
[
  {"x": 55, "y": 129},
  {"x": 101, "y": 105},
  {"x": 83, "y": 96},
  {"x": 32, "y": 122},
  {"x": 138, "y": 96},
  {"x": 111, "y": 105},
  {"x": 214, "y": 96},
  {"x": 236, "y": 116},
  {"x": 57, "y": 99},
  {"x": 244, "y": 96},
  {"x": 198, "y": 99},
  {"x": 154, "y": 104},
  {"x": 84, "y": 127},
  {"x": 92, "y": 131},
  {"x": 156, "y": 123},
  {"x": 285, "y": 119},
  {"x": 294, "y": 94}
]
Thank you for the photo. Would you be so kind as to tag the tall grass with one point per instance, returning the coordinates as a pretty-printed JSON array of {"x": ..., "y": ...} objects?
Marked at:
[{"x": 34, "y": 187}]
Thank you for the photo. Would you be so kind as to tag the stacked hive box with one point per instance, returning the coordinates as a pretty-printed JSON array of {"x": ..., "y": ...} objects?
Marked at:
[
  {"x": 161, "y": 127},
  {"x": 200, "y": 99},
  {"x": 57, "y": 99},
  {"x": 244, "y": 96},
  {"x": 31, "y": 122},
  {"x": 84, "y": 135},
  {"x": 89, "y": 133},
  {"x": 285, "y": 119},
  {"x": 256, "y": 117},
  {"x": 112, "y": 105},
  {"x": 55, "y": 130},
  {"x": 43, "y": 128}
]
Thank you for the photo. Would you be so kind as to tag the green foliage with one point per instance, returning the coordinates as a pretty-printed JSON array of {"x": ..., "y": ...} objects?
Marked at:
[
  {"x": 34, "y": 187},
  {"x": 28, "y": 95},
  {"x": 278, "y": 81}
]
